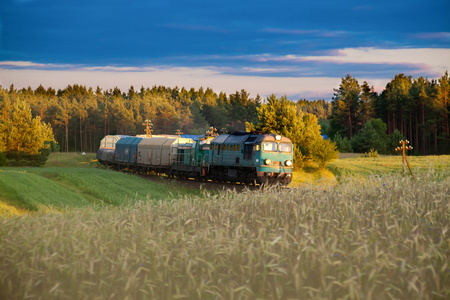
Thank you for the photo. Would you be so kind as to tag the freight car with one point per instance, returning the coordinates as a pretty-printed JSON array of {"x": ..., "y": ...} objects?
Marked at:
[{"x": 245, "y": 157}]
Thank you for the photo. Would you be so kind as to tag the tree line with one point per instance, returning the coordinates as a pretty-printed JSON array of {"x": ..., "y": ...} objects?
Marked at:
[
  {"x": 415, "y": 108},
  {"x": 81, "y": 116},
  {"x": 357, "y": 118}
]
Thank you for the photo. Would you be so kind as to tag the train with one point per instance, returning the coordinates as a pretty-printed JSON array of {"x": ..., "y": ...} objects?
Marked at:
[{"x": 242, "y": 157}]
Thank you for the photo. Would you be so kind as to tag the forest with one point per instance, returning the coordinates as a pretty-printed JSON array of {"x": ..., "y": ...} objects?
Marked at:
[
  {"x": 80, "y": 116},
  {"x": 415, "y": 108}
]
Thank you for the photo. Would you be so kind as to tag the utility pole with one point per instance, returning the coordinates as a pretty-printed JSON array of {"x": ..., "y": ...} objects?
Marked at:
[
  {"x": 212, "y": 131},
  {"x": 403, "y": 148},
  {"x": 148, "y": 129}
]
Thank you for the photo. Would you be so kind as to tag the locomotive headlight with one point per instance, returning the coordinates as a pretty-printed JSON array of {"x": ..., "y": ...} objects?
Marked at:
[
  {"x": 288, "y": 163},
  {"x": 267, "y": 161}
]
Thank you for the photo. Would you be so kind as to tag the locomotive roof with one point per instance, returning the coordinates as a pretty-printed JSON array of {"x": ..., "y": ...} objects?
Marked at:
[
  {"x": 272, "y": 137},
  {"x": 246, "y": 137},
  {"x": 220, "y": 139}
]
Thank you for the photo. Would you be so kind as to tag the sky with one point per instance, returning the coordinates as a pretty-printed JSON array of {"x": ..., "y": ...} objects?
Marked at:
[{"x": 301, "y": 49}]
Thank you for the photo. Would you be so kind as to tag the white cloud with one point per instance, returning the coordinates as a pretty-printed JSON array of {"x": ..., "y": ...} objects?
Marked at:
[
  {"x": 20, "y": 64},
  {"x": 429, "y": 60},
  {"x": 418, "y": 61},
  {"x": 32, "y": 65}
]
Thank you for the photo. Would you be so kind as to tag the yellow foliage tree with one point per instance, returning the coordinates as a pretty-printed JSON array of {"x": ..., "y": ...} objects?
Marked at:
[{"x": 22, "y": 133}]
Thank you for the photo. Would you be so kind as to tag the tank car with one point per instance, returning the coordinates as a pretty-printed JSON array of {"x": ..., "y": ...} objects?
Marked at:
[{"x": 107, "y": 149}]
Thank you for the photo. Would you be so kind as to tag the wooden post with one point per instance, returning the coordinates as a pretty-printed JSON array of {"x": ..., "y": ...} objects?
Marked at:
[
  {"x": 403, "y": 148},
  {"x": 148, "y": 129}
]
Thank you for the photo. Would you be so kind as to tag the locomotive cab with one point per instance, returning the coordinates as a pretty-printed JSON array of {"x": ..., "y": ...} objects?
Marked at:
[
  {"x": 274, "y": 159},
  {"x": 251, "y": 157}
]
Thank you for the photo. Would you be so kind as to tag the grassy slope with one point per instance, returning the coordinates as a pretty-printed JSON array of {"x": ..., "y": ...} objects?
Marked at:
[{"x": 72, "y": 181}]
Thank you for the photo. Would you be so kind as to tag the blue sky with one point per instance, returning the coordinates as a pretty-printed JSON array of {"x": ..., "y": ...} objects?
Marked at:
[{"x": 301, "y": 49}]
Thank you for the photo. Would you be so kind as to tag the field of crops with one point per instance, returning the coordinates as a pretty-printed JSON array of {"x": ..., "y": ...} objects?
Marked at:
[
  {"x": 371, "y": 237},
  {"x": 70, "y": 181},
  {"x": 352, "y": 165}
]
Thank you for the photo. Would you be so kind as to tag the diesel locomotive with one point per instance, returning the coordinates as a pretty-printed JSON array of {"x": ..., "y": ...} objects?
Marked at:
[{"x": 244, "y": 157}]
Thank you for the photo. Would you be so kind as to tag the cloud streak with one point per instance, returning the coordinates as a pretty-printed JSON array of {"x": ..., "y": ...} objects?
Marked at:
[
  {"x": 429, "y": 61},
  {"x": 264, "y": 74},
  {"x": 320, "y": 33}
]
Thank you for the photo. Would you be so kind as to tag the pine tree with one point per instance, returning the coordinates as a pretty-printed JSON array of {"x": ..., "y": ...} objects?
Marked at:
[
  {"x": 441, "y": 106},
  {"x": 345, "y": 104},
  {"x": 23, "y": 136}
]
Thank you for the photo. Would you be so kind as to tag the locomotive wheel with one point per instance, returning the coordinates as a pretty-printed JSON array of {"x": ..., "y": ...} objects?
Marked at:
[{"x": 286, "y": 181}]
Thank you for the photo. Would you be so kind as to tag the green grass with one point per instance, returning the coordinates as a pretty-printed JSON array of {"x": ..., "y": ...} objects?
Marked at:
[
  {"x": 33, "y": 192},
  {"x": 353, "y": 165},
  {"x": 384, "y": 237},
  {"x": 76, "y": 160},
  {"x": 359, "y": 166},
  {"x": 69, "y": 181}
]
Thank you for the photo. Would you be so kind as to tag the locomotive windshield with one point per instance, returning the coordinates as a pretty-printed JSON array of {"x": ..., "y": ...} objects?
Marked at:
[
  {"x": 270, "y": 146},
  {"x": 285, "y": 147},
  {"x": 273, "y": 147}
]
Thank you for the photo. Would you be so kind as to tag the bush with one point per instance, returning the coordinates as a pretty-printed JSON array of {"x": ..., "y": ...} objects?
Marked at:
[
  {"x": 371, "y": 136},
  {"x": 343, "y": 144},
  {"x": 54, "y": 146},
  {"x": 394, "y": 138},
  {"x": 3, "y": 159},
  {"x": 324, "y": 151},
  {"x": 21, "y": 159},
  {"x": 371, "y": 153},
  {"x": 299, "y": 158}
]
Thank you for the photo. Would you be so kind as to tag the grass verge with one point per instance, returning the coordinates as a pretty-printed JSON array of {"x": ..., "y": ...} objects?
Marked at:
[{"x": 71, "y": 180}]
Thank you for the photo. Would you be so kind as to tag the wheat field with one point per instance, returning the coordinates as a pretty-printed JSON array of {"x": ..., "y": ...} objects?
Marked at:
[{"x": 380, "y": 237}]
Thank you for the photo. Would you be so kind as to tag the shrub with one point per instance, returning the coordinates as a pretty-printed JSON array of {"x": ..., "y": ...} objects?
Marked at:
[
  {"x": 371, "y": 153},
  {"x": 3, "y": 159},
  {"x": 324, "y": 151},
  {"x": 54, "y": 146},
  {"x": 299, "y": 158},
  {"x": 343, "y": 144},
  {"x": 394, "y": 138},
  {"x": 21, "y": 159},
  {"x": 371, "y": 136}
]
